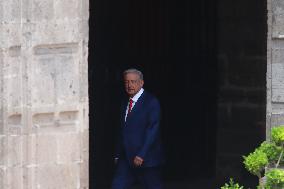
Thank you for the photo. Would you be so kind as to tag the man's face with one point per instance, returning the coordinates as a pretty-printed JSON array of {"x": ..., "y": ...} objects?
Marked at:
[{"x": 132, "y": 83}]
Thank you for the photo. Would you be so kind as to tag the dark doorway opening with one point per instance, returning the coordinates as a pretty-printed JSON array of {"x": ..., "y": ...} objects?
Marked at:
[{"x": 173, "y": 43}]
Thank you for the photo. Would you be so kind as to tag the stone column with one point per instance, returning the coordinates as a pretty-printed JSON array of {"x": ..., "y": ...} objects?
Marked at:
[
  {"x": 275, "y": 65},
  {"x": 44, "y": 94}
]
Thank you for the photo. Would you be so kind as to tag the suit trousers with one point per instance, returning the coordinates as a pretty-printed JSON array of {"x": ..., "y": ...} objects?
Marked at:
[{"x": 126, "y": 175}]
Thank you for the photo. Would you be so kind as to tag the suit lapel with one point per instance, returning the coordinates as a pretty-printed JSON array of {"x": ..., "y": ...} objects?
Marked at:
[{"x": 137, "y": 106}]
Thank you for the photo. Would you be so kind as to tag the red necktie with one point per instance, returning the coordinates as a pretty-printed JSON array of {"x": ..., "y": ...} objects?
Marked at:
[{"x": 130, "y": 106}]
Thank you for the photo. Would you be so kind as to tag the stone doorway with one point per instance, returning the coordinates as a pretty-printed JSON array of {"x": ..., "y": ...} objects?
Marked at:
[
  {"x": 174, "y": 44},
  {"x": 213, "y": 54},
  {"x": 180, "y": 46},
  {"x": 208, "y": 53}
]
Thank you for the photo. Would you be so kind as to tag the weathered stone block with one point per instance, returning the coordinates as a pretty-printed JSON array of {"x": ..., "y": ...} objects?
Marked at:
[
  {"x": 247, "y": 71},
  {"x": 49, "y": 123},
  {"x": 228, "y": 142},
  {"x": 10, "y": 35},
  {"x": 15, "y": 151},
  {"x": 67, "y": 9},
  {"x": 12, "y": 77},
  {"x": 277, "y": 82},
  {"x": 251, "y": 114},
  {"x": 58, "y": 176},
  {"x": 42, "y": 10},
  {"x": 15, "y": 51},
  {"x": 278, "y": 55},
  {"x": 3, "y": 150},
  {"x": 47, "y": 149},
  {"x": 69, "y": 148},
  {"x": 84, "y": 11},
  {"x": 30, "y": 177},
  {"x": 2, "y": 177},
  {"x": 15, "y": 124},
  {"x": 56, "y": 32},
  {"x": 54, "y": 74},
  {"x": 277, "y": 119},
  {"x": 31, "y": 158},
  {"x": 278, "y": 19},
  {"x": 10, "y": 11},
  {"x": 84, "y": 165},
  {"x": 15, "y": 178},
  {"x": 84, "y": 175}
]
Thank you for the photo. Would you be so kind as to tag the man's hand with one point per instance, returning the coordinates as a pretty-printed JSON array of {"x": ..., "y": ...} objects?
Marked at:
[{"x": 138, "y": 161}]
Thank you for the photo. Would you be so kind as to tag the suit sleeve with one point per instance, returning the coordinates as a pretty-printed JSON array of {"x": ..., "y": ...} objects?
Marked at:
[{"x": 152, "y": 129}]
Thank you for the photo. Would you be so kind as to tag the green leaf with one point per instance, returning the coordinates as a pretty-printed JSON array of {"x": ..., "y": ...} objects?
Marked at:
[
  {"x": 275, "y": 178},
  {"x": 271, "y": 150},
  {"x": 255, "y": 162},
  {"x": 277, "y": 135},
  {"x": 232, "y": 185}
]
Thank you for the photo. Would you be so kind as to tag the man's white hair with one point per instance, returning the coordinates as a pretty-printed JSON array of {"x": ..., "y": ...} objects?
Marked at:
[{"x": 133, "y": 70}]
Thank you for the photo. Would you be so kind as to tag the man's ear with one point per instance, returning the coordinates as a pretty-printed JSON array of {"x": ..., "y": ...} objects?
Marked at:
[{"x": 142, "y": 83}]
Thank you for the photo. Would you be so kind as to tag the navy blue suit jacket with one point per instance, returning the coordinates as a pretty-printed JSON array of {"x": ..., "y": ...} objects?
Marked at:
[{"x": 140, "y": 134}]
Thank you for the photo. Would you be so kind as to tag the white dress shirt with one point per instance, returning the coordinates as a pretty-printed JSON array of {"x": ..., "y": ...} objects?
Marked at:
[{"x": 135, "y": 99}]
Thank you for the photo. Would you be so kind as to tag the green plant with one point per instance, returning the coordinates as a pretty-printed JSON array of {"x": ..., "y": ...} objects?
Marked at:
[
  {"x": 271, "y": 150},
  {"x": 255, "y": 162},
  {"x": 274, "y": 179},
  {"x": 270, "y": 154},
  {"x": 277, "y": 135},
  {"x": 232, "y": 185}
]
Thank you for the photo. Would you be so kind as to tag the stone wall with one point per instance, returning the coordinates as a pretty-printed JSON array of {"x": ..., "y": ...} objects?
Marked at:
[
  {"x": 44, "y": 94},
  {"x": 241, "y": 96},
  {"x": 275, "y": 65}
]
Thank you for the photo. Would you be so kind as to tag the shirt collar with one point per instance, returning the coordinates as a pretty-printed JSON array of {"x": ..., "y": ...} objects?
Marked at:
[{"x": 136, "y": 97}]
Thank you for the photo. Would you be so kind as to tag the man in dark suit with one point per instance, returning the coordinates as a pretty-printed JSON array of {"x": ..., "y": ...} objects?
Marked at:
[{"x": 139, "y": 151}]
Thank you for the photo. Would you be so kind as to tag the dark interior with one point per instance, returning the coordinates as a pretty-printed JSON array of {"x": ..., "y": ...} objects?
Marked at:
[
  {"x": 175, "y": 49},
  {"x": 175, "y": 45}
]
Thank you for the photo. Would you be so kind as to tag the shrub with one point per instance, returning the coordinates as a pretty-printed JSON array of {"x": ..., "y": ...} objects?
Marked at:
[
  {"x": 267, "y": 155},
  {"x": 277, "y": 135},
  {"x": 274, "y": 179},
  {"x": 255, "y": 162},
  {"x": 271, "y": 150},
  {"x": 232, "y": 185}
]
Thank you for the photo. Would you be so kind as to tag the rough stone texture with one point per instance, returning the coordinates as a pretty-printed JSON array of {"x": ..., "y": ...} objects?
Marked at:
[
  {"x": 241, "y": 97},
  {"x": 277, "y": 8},
  {"x": 44, "y": 94},
  {"x": 275, "y": 65}
]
